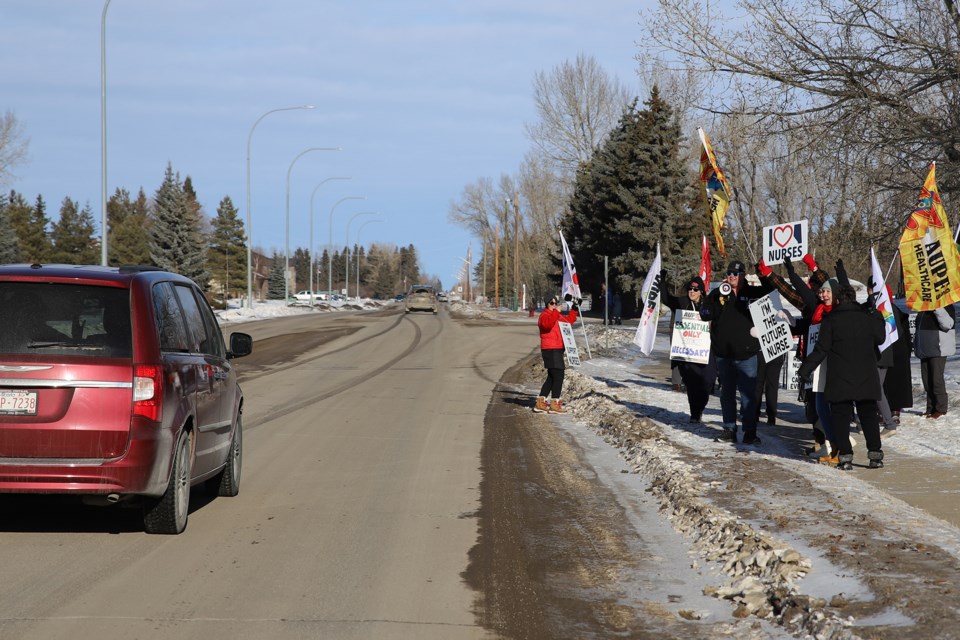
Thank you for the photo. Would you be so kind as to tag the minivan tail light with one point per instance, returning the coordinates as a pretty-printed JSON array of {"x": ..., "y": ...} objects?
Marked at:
[{"x": 148, "y": 391}]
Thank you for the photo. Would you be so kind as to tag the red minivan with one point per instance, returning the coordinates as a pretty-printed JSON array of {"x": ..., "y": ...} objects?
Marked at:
[{"x": 115, "y": 384}]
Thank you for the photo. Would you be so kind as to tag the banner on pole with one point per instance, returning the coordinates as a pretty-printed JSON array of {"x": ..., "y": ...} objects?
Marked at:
[{"x": 650, "y": 314}]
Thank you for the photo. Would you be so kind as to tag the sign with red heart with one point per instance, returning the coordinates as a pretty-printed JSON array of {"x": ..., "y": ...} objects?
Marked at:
[{"x": 787, "y": 241}]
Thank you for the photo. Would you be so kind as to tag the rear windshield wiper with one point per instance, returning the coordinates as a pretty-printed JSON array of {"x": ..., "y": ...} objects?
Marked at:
[{"x": 48, "y": 344}]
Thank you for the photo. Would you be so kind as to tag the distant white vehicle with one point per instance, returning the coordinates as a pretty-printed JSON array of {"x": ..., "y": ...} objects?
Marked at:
[{"x": 304, "y": 296}]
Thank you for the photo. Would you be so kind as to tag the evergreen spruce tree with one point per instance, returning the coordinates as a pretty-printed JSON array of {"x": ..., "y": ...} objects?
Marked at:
[
  {"x": 630, "y": 196},
  {"x": 9, "y": 251},
  {"x": 227, "y": 254},
  {"x": 301, "y": 266},
  {"x": 129, "y": 235},
  {"x": 176, "y": 239},
  {"x": 275, "y": 282},
  {"x": 30, "y": 225},
  {"x": 72, "y": 236}
]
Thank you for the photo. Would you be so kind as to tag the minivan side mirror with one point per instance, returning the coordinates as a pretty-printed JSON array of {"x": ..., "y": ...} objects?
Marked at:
[{"x": 241, "y": 344}]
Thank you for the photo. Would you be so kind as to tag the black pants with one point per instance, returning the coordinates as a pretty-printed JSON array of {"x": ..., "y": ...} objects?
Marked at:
[
  {"x": 553, "y": 363},
  {"x": 931, "y": 373},
  {"x": 842, "y": 416},
  {"x": 700, "y": 380},
  {"x": 768, "y": 384}
]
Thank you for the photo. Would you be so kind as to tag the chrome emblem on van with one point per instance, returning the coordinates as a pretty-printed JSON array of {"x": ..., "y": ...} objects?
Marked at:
[{"x": 22, "y": 368}]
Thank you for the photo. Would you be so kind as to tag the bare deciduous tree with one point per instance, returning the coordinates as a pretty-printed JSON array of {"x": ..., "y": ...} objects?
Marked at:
[
  {"x": 13, "y": 146},
  {"x": 577, "y": 104},
  {"x": 881, "y": 79}
]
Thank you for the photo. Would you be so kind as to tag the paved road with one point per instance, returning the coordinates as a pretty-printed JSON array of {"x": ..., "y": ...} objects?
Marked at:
[{"x": 356, "y": 514}]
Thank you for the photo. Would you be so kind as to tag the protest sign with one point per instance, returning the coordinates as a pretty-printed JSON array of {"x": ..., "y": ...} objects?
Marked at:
[
  {"x": 772, "y": 331},
  {"x": 570, "y": 344},
  {"x": 786, "y": 241},
  {"x": 691, "y": 338}
]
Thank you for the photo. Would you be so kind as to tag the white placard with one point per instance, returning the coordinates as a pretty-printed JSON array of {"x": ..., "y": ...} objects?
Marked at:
[
  {"x": 819, "y": 381},
  {"x": 791, "y": 366},
  {"x": 691, "y": 338},
  {"x": 570, "y": 344},
  {"x": 772, "y": 331},
  {"x": 787, "y": 240}
]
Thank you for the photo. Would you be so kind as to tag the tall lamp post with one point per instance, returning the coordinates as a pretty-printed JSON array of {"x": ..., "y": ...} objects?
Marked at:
[
  {"x": 346, "y": 280},
  {"x": 286, "y": 222},
  {"x": 103, "y": 134},
  {"x": 312, "y": 268},
  {"x": 249, "y": 216},
  {"x": 358, "y": 252},
  {"x": 330, "y": 240}
]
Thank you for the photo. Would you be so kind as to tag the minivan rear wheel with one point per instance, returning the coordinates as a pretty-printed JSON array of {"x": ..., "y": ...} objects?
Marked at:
[
  {"x": 168, "y": 513},
  {"x": 227, "y": 482}
]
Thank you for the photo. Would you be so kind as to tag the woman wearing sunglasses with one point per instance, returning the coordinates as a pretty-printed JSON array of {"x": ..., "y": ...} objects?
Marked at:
[
  {"x": 699, "y": 379},
  {"x": 551, "y": 348}
]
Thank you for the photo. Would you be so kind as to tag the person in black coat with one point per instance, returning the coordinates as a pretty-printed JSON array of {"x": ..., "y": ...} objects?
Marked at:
[
  {"x": 734, "y": 341},
  {"x": 849, "y": 337},
  {"x": 699, "y": 379},
  {"x": 898, "y": 385}
]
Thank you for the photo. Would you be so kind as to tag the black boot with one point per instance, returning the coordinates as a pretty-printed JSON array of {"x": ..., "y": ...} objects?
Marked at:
[
  {"x": 876, "y": 459},
  {"x": 846, "y": 462}
]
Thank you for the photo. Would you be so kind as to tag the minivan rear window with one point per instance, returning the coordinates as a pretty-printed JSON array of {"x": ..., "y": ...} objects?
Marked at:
[{"x": 64, "y": 319}]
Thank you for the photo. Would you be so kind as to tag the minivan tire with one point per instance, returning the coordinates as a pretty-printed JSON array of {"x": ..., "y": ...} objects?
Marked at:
[
  {"x": 227, "y": 482},
  {"x": 168, "y": 513}
]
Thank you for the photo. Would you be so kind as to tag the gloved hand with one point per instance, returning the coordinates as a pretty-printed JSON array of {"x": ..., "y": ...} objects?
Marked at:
[
  {"x": 810, "y": 262},
  {"x": 705, "y": 313},
  {"x": 763, "y": 270},
  {"x": 579, "y": 301},
  {"x": 841, "y": 273},
  {"x": 664, "y": 277},
  {"x": 568, "y": 297},
  {"x": 575, "y": 306},
  {"x": 788, "y": 265}
]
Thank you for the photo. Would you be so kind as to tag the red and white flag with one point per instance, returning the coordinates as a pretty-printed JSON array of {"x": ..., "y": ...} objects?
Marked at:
[
  {"x": 705, "y": 269},
  {"x": 570, "y": 283}
]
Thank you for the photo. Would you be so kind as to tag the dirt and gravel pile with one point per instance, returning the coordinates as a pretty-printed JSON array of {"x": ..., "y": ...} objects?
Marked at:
[{"x": 762, "y": 572}]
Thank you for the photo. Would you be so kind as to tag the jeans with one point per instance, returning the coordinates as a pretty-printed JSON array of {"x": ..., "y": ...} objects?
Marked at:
[
  {"x": 825, "y": 416},
  {"x": 738, "y": 375}
]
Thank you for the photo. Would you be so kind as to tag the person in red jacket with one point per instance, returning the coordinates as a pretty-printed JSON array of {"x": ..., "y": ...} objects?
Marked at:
[{"x": 551, "y": 348}]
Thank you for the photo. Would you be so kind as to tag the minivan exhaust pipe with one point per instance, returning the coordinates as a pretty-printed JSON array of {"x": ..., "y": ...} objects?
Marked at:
[{"x": 113, "y": 498}]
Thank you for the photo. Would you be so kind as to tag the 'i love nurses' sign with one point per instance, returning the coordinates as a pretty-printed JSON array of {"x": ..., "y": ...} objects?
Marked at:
[{"x": 786, "y": 241}]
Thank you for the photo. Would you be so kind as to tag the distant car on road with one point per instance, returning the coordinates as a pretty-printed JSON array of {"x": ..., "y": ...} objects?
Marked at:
[
  {"x": 442, "y": 297},
  {"x": 115, "y": 385},
  {"x": 422, "y": 297},
  {"x": 304, "y": 296}
]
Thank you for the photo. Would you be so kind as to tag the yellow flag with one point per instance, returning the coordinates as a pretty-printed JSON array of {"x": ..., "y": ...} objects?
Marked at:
[
  {"x": 931, "y": 264},
  {"x": 717, "y": 190}
]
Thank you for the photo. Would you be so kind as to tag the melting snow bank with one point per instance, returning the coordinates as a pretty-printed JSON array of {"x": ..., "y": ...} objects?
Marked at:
[{"x": 762, "y": 572}]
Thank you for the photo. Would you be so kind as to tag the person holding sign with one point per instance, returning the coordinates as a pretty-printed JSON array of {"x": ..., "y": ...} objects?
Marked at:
[
  {"x": 735, "y": 343},
  {"x": 691, "y": 346},
  {"x": 849, "y": 337},
  {"x": 551, "y": 349}
]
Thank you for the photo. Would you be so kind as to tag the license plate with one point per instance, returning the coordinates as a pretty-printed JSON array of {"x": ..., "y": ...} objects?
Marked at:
[{"x": 14, "y": 402}]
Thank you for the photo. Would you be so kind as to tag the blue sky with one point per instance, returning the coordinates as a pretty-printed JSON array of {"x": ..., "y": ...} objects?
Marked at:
[{"x": 423, "y": 97}]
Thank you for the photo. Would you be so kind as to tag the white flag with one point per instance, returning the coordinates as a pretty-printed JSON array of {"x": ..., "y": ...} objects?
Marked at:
[
  {"x": 883, "y": 303},
  {"x": 650, "y": 314},
  {"x": 570, "y": 283}
]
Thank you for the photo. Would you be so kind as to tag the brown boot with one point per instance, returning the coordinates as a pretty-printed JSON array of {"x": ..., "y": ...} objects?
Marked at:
[
  {"x": 556, "y": 406},
  {"x": 833, "y": 459},
  {"x": 541, "y": 406}
]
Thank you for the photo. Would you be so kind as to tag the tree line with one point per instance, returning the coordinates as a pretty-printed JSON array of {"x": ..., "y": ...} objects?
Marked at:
[
  {"x": 828, "y": 111},
  {"x": 171, "y": 231}
]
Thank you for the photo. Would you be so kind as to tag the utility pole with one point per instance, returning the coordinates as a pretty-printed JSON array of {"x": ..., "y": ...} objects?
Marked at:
[
  {"x": 516, "y": 246},
  {"x": 496, "y": 266}
]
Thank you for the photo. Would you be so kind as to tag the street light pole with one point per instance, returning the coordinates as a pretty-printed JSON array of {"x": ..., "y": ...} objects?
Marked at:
[
  {"x": 330, "y": 240},
  {"x": 249, "y": 216},
  {"x": 346, "y": 279},
  {"x": 312, "y": 255},
  {"x": 103, "y": 134},
  {"x": 286, "y": 226},
  {"x": 358, "y": 253}
]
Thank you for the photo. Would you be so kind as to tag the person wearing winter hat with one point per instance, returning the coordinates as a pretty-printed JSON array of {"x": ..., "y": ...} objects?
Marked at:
[
  {"x": 699, "y": 379},
  {"x": 736, "y": 346},
  {"x": 849, "y": 337},
  {"x": 551, "y": 349}
]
